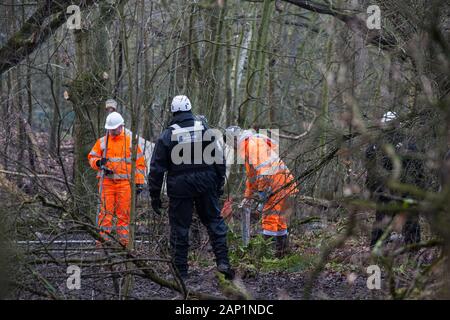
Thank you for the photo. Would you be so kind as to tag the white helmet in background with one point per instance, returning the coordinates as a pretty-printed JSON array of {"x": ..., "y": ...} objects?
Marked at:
[
  {"x": 246, "y": 134},
  {"x": 233, "y": 131},
  {"x": 111, "y": 103},
  {"x": 180, "y": 103},
  {"x": 388, "y": 116},
  {"x": 113, "y": 121}
]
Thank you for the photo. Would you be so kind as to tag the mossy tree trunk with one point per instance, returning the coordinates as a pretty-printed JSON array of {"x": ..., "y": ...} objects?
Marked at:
[{"x": 88, "y": 93}]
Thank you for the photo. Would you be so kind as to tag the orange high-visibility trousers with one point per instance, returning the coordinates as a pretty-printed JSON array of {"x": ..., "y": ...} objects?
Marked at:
[
  {"x": 276, "y": 208},
  {"x": 115, "y": 203},
  {"x": 274, "y": 215}
]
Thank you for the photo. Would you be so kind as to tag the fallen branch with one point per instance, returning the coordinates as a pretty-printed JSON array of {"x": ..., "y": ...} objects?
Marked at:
[
  {"x": 314, "y": 202},
  {"x": 34, "y": 32},
  {"x": 417, "y": 246},
  {"x": 12, "y": 188},
  {"x": 42, "y": 176},
  {"x": 376, "y": 37}
]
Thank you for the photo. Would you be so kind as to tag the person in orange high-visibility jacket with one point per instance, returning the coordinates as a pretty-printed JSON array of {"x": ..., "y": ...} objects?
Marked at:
[
  {"x": 147, "y": 147},
  {"x": 111, "y": 157},
  {"x": 269, "y": 183}
]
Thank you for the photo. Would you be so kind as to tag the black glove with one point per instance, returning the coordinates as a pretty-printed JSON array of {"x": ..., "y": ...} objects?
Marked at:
[
  {"x": 100, "y": 163},
  {"x": 139, "y": 188},
  {"x": 106, "y": 170},
  {"x": 157, "y": 205}
]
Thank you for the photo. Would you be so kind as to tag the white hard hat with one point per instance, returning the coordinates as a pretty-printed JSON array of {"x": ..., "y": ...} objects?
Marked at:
[
  {"x": 233, "y": 131},
  {"x": 111, "y": 103},
  {"x": 388, "y": 116},
  {"x": 113, "y": 121},
  {"x": 180, "y": 103},
  {"x": 245, "y": 134}
]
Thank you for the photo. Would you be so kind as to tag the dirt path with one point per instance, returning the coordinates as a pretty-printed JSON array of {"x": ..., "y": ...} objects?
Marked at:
[{"x": 97, "y": 282}]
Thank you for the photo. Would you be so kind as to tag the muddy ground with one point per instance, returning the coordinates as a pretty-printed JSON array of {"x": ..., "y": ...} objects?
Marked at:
[
  {"x": 96, "y": 283},
  {"x": 259, "y": 274}
]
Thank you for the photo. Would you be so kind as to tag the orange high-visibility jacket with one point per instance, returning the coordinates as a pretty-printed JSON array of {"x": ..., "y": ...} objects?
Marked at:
[
  {"x": 119, "y": 158},
  {"x": 264, "y": 169}
]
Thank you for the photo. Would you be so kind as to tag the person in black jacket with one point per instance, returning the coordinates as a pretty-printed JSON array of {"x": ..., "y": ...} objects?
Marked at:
[
  {"x": 191, "y": 180},
  {"x": 379, "y": 169}
]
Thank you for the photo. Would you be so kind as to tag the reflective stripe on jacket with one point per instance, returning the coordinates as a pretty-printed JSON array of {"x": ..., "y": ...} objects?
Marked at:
[
  {"x": 118, "y": 155},
  {"x": 264, "y": 168}
]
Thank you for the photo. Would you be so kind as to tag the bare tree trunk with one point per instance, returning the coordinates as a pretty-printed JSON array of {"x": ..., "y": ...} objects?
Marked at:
[
  {"x": 229, "y": 92},
  {"x": 212, "y": 69},
  {"x": 245, "y": 106},
  {"x": 20, "y": 125},
  {"x": 258, "y": 106},
  {"x": 88, "y": 93},
  {"x": 56, "y": 113}
]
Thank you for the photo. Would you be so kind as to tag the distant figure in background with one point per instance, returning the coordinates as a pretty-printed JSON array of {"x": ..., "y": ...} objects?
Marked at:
[{"x": 379, "y": 168}]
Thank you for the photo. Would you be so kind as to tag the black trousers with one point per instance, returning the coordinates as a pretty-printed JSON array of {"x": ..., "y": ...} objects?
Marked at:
[{"x": 180, "y": 218}]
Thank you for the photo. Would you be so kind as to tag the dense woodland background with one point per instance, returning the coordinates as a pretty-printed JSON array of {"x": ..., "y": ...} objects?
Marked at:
[{"x": 311, "y": 69}]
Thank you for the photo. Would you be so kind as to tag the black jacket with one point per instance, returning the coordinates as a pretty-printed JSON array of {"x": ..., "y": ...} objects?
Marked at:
[
  {"x": 379, "y": 165},
  {"x": 183, "y": 180}
]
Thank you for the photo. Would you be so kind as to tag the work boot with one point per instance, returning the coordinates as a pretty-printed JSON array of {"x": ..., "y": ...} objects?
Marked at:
[
  {"x": 226, "y": 270},
  {"x": 281, "y": 246},
  {"x": 183, "y": 272},
  {"x": 185, "y": 278}
]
